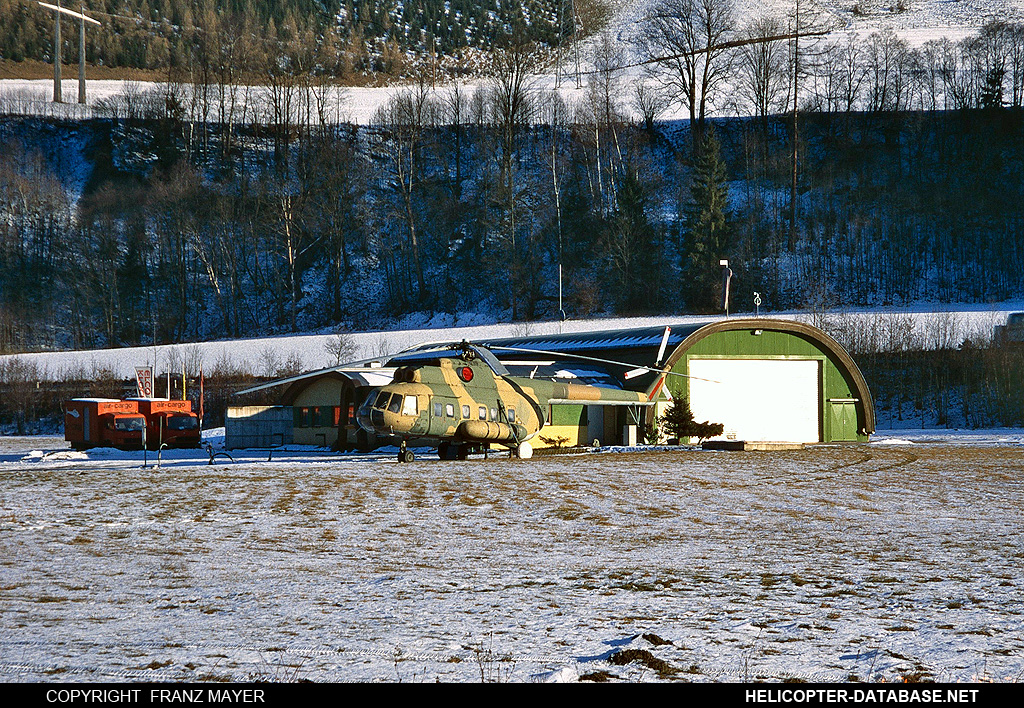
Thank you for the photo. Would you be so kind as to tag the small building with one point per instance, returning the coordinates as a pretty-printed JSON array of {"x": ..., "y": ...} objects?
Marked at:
[
  {"x": 318, "y": 409},
  {"x": 257, "y": 427}
]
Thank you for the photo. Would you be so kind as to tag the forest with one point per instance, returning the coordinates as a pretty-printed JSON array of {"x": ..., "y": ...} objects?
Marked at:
[{"x": 365, "y": 37}]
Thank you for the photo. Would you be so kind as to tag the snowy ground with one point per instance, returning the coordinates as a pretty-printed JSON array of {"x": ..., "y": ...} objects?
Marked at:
[{"x": 890, "y": 560}]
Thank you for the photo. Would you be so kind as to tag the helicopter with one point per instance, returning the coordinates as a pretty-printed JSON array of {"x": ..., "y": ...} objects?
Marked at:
[{"x": 464, "y": 399}]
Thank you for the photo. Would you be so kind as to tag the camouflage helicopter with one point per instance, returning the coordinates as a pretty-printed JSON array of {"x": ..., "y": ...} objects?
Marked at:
[{"x": 464, "y": 399}]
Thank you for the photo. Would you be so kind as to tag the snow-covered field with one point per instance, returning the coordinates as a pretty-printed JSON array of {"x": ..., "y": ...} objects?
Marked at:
[
  {"x": 896, "y": 559},
  {"x": 918, "y": 21}
]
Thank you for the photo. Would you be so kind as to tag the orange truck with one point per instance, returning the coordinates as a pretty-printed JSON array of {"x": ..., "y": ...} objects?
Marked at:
[
  {"x": 170, "y": 423},
  {"x": 103, "y": 422}
]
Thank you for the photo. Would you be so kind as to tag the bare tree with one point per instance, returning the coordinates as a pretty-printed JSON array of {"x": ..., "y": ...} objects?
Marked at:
[
  {"x": 682, "y": 40},
  {"x": 511, "y": 71},
  {"x": 649, "y": 102},
  {"x": 400, "y": 126},
  {"x": 762, "y": 67},
  {"x": 887, "y": 80}
]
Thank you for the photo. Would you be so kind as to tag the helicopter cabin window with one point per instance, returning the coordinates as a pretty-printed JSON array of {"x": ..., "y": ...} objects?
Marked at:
[
  {"x": 494, "y": 414},
  {"x": 437, "y": 410},
  {"x": 396, "y": 403},
  {"x": 465, "y": 411},
  {"x": 483, "y": 412},
  {"x": 449, "y": 410},
  {"x": 410, "y": 408},
  {"x": 511, "y": 415}
]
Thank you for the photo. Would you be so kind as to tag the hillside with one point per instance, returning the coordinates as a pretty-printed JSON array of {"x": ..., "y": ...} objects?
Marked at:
[
  {"x": 186, "y": 211},
  {"x": 353, "y": 41}
]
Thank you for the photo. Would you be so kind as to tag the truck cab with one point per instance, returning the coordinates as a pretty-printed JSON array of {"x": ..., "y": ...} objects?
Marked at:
[{"x": 169, "y": 423}]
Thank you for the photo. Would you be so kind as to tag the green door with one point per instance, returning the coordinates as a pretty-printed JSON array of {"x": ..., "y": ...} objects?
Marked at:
[{"x": 844, "y": 421}]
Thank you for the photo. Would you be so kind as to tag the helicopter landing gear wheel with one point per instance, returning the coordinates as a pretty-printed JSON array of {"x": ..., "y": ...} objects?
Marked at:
[
  {"x": 404, "y": 454},
  {"x": 524, "y": 451}
]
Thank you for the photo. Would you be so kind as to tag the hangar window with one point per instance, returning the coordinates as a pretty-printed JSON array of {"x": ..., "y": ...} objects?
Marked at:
[
  {"x": 465, "y": 411},
  {"x": 449, "y": 410},
  {"x": 410, "y": 407}
]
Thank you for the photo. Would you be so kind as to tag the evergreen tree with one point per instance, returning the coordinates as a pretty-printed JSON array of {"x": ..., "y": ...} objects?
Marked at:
[
  {"x": 992, "y": 90},
  {"x": 678, "y": 421},
  {"x": 707, "y": 231}
]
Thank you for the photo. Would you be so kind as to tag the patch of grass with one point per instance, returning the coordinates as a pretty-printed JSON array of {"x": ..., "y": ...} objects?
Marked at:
[{"x": 644, "y": 657}]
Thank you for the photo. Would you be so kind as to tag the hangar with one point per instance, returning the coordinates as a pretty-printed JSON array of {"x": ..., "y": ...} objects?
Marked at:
[{"x": 765, "y": 380}]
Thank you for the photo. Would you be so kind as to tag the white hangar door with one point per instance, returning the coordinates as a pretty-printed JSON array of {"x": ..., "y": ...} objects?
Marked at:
[{"x": 758, "y": 399}]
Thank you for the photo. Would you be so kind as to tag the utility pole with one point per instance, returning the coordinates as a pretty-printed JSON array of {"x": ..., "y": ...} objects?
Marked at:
[
  {"x": 56, "y": 54},
  {"x": 81, "y": 58},
  {"x": 82, "y": 18},
  {"x": 796, "y": 84}
]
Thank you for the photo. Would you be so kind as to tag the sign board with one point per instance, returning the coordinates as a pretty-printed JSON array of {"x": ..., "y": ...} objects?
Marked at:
[{"x": 144, "y": 379}]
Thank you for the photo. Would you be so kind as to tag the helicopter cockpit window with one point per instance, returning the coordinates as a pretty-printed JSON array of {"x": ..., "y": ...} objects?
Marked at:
[
  {"x": 449, "y": 410},
  {"x": 396, "y": 403},
  {"x": 410, "y": 407},
  {"x": 483, "y": 412},
  {"x": 382, "y": 399}
]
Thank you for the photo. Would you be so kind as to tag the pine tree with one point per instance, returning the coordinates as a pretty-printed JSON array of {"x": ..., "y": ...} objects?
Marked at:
[
  {"x": 707, "y": 231},
  {"x": 678, "y": 421},
  {"x": 992, "y": 90}
]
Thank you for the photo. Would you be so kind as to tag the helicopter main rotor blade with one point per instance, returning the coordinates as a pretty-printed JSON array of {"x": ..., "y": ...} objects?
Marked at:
[
  {"x": 454, "y": 349},
  {"x": 600, "y": 361}
]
